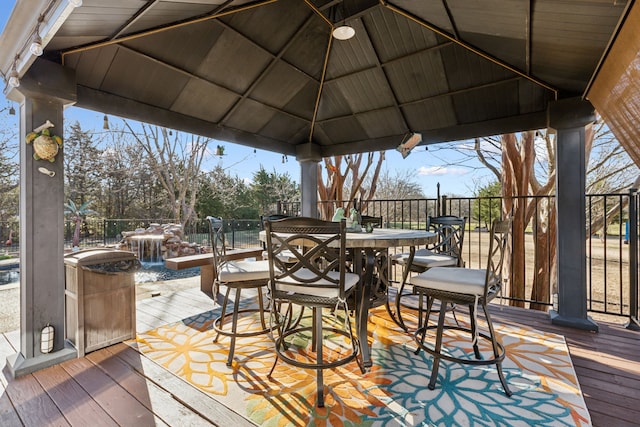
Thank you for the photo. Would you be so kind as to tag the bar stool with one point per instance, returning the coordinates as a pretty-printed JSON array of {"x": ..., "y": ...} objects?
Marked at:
[
  {"x": 472, "y": 287},
  {"x": 236, "y": 275}
]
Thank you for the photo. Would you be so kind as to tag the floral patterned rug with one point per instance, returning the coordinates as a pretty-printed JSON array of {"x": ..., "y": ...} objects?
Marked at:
[{"x": 394, "y": 391}]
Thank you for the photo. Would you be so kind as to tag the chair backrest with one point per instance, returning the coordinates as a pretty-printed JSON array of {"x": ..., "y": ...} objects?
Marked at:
[
  {"x": 315, "y": 248},
  {"x": 450, "y": 231},
  {"x": 499, "y": 237},
  {"x": 272, "y": 217},
  {"x": 218, "y": 244},
  {"x": 375, "y": 221}
]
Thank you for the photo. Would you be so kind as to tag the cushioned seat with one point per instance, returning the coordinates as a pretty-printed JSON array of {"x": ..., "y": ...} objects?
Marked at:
[
  {"x": 234, "y": 271},
  {"x": 322, "y": 287},
  {"x": 427, "y": 259},
  {"x": 461, "y": 280}
]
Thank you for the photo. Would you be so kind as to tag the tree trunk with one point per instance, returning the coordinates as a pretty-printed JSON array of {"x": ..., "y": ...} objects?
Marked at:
[{"x": 545, "y": 254}]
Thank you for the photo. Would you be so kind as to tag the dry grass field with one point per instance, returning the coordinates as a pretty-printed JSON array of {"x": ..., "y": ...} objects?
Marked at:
[{"x": 607, "y": 271}]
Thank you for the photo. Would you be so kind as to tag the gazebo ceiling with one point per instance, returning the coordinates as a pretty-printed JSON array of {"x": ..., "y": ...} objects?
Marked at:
[{"x": 270, "y": 75}]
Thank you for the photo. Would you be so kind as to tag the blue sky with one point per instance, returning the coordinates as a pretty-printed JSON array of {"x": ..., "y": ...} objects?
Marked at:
[{"x": 455, "y": 174}]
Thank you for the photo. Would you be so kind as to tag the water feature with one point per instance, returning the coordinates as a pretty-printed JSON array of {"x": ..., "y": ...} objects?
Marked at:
[
  {"x": 158, "y": 242},
  {"x": 157, "y": 272},
  {"x": 9, "y": 273},
  {"x": 148, "y": 248}
]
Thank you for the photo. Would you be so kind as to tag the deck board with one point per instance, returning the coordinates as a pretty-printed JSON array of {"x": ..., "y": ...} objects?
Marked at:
[
  {"x": 33, "y": 404},
  {"x": 71, "y": 399},
  {"x": 116, "y": 401},
  {"x": 191, "y": 397},
  {"x": 148, "y": 393},
  {"x": 119, "y": 386}
]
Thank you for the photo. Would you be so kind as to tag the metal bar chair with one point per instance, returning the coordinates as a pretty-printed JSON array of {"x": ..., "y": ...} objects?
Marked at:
[
  {"x": 235, "y": 276},
  {"x": 446, "y": 252},
  {"x": 318, "y": 279},
  {"x": 473, "y": 287}
]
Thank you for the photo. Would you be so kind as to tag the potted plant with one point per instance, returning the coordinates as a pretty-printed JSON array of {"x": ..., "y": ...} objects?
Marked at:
[{"x": 78, "y": 214}]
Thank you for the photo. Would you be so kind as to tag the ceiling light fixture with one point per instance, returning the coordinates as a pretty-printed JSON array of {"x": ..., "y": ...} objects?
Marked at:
[{"x": 343, "y": 32}]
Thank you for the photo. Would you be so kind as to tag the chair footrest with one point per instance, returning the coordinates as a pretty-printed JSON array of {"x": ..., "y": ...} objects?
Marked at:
[
  {"x": 281, "y": 344},
  {"x": 492, "y": 361},
  {"x": 219, "y": 325}
]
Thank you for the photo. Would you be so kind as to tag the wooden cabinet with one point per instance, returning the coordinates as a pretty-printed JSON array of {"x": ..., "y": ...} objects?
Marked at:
[{"x": 100, "y": 298}]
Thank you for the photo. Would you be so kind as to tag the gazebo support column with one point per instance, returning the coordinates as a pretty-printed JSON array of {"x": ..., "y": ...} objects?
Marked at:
[
  {"x": 309, "y": 155},
  {"x": 42, "y": 94},
  {"x": 569, "y": 117}
]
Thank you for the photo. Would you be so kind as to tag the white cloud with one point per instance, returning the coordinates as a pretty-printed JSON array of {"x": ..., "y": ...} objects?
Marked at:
[{"x": 440, "y": 170}]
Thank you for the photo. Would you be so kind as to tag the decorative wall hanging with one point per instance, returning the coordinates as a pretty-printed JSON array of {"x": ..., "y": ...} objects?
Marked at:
[{"x": 45, "y": 145}]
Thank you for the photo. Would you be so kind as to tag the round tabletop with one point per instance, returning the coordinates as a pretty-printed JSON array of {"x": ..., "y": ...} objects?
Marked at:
[{"x": 384, "y": 238}]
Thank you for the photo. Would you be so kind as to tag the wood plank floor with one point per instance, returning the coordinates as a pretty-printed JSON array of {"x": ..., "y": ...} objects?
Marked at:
[{"x": 116, "y": 386}]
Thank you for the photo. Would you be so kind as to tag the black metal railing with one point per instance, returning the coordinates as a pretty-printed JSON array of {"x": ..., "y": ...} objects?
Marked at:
[
  {"x": 612, "y": 245},
  {"x": 612, "y": 250}
]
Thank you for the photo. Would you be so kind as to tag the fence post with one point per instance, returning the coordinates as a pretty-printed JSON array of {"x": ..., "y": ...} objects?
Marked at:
[
  {"x": 104, "y": 232},
  {"x": 633, "y": 260},
  {"x": 233, "y": 233}
]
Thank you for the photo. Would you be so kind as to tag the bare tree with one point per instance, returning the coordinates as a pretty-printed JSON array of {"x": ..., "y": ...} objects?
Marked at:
[
  {"x": 9, "y": 178},
  {"x": 348, "y": 183},
  {"x": 399, "y": 185},
  {"x": 129, "y": 187},
  {"x": 526, "y": 171},
  {"x": 176, "y": 161}
]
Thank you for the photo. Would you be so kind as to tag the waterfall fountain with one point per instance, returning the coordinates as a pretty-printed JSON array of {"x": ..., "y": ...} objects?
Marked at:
[{"x": 157, "y": 242}]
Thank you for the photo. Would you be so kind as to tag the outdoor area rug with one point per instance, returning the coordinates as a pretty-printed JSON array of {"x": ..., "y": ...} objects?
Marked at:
[{"x": 394, "y": 391}]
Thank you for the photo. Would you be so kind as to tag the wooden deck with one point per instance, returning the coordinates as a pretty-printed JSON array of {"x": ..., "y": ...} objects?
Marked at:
[{"x": 118, "y": 386}]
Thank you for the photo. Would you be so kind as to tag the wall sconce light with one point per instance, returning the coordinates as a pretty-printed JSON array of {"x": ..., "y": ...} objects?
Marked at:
[
  {"x": 407, "y": 145},
  {"x": 105, "y": 122}
]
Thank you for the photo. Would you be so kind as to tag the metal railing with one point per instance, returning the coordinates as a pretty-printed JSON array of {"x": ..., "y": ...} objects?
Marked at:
[
  {"x": 612, "y": 250},
  {"x": 612, "y": 245}
]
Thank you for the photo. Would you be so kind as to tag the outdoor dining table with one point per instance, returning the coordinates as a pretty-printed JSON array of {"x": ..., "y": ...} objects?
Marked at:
[{"x": 365, "y": 246}]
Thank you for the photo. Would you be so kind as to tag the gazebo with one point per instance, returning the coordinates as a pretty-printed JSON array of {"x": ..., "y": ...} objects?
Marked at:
[{"x": 316, "y": 78}]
